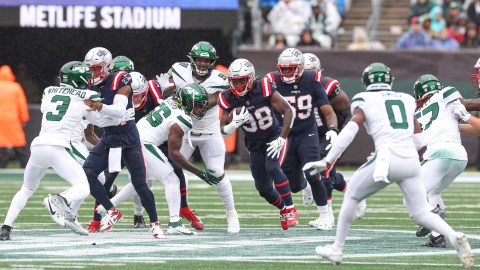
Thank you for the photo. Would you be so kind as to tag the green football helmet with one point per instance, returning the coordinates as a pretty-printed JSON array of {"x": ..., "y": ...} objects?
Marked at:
[
  {"x": 377, "y": 76},
  {"x": 193, "y": 99},
  {"x": 203, "y": 49},
  {"x": 123, "y": 63},
  {"x": 75, "y": 74},
  {"x": 426, "y": 84}
]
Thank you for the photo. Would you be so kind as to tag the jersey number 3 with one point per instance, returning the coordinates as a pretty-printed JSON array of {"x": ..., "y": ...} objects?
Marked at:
[{"x": 63, "y": 103}]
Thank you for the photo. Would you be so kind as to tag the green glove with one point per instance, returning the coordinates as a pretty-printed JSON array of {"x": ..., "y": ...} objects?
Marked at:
[{"x": 207, "y": 176}]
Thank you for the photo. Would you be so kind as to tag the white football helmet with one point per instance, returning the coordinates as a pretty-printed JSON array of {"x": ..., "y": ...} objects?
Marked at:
[
  {"x": 312, "y": 62},
  {"x": 241, "y": 75},
  {"x": 139, "y": 89},
  {"x": 290, "y": 65},
  {"x": 100, "y": 62}
]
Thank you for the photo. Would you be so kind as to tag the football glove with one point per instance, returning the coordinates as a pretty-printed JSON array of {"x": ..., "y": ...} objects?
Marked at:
[
  {"x": 237, "y": 120},
  {"x": 163, "y": 81},
  {"x": 319, "y": 166},
  {"x": 129, "y": 115},
  {"x": 331, "y": 136},
  {"x": 207, "y": 176},
  {"x": 275, "y": 147},
  {"x": 460, "y": 111}
]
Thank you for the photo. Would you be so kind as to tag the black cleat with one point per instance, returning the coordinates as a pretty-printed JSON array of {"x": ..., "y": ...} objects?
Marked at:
[
  {"x": 5, "y": 233},
  {"x": 138, "y": 222},
  {"x": 113, "y": 191},
  {"x": 437, "y": 242}
]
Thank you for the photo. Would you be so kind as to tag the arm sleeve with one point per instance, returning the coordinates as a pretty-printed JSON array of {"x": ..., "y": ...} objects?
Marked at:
[
  {"x": 344, "y": 139},
  {"x": 100, "y": 120},
  {"x": 118, "y": 108}
]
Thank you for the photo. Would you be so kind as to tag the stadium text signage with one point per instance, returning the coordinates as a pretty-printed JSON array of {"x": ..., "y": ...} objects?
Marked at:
[{"x": 118, "y": 17}]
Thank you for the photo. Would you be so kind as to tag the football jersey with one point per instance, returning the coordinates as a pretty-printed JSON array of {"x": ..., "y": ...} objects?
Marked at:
[
  {"x": 154, "y": 128},
  {"x": 303, "y": 96},
  {"x": 78, "y": 132},
  {"x": 389, "y": 119},
  {"x": 154, "y": 97},
  {"x": 262, "y": 124},
  {"x": 63, "y": 110},
  {"x": 440, "y": 125},
  {"x": 216, "y": 82},
  {"x": 332, "y": 89}
]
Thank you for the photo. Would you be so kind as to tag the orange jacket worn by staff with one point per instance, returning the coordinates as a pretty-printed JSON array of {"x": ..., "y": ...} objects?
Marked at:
[{"x": 14, "y": 110}]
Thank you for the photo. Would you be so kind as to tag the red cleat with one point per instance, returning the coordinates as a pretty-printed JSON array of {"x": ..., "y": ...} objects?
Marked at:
[
  {"x": 196, "y": 223},
  {"x": 94, "y": 226}
]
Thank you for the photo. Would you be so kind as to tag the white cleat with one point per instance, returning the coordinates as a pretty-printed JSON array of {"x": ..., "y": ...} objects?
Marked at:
[
  {"x": 176, "y": 228},
  {"x": 361, "y": 209},
  {"x": 156, "y": 230},
  {"x": 307, "y": 197},
  {"x": 76, "y": 227},
  {"x": 322, "y": 223},
  {"x": 54, "y": 213},
  {"x": 233, "y": 224},
  {"x": 327, "y": 252},
  {"x": 464, "y": 251}
]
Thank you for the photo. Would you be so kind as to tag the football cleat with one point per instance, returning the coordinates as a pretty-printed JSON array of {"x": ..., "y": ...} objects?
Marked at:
[
  {"x": 322, "y": 223},
  {"x": 464, "y": 251},
  {"x": 233, "y": 224},
  {"x": 292, "y": 217},
  {"x": 327, "y": 252},
  {"x": 438, "y": 242},
  {"x": 62, "y": 207},
  {"x": 307, "y": 197},
  {"x": 423, "y": 231},
  {"x": 112, "y": 217},
  {"x": 361, "y": 209},
  {"x": 76, "y": 227},
  {"x": 5, "y": 233},
  {"x": 54, "y": 212},
  {"x": 195, "y": 222},
  {"x": 139, "y": 222},
  {"x": 156, "y": 230},
  {"x": 283, "y": 219},
  {"x": 176, "y": 228},
  {"x": 94, "y": 226}
]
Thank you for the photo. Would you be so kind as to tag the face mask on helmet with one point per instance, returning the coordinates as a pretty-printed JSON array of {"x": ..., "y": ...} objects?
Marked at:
[
  {"x": 123, "y": 63},
  {"x": 139, "y": 89},
  {"x": 193, "y": 99},
  {"x": 290, "y": 65},
  {"x": 475, "y": 78},
  {"x": 312, "y": 62},
  {"x": 377, "y": 76},
  {"x": 241, "y": 75},
  {"x": 203, "y": 57},
  {"x": 75, "y": 74},
  {"x": 100, "y": 62}
]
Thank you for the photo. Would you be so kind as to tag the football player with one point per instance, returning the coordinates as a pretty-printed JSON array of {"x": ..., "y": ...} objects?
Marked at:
[
  {"x": 205, "y": 133},
  {"x": 389, "y": 118},
  {"x": 118, "y": 143},
  {"x": 123, "y": 63},
  {"x": 445, "y": 157},
  {"x": 303, "y": 90},
  {"x": 63, "y": 109},
  {"x": 265, "y": 139}
]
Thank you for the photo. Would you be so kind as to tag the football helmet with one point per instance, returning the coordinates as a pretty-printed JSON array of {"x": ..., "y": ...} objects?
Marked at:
[
  {"x": 377, "y": 76},
  {"x": 139, "y": 89},
  {"x": 475, "y": 77},
  {"x": 290, "y": 65},
  {"x": 312, "y": 62},
  {"x": 426, "y": 84},
  {"x": 100, "y": 62},
  {"x": 75, "y": 74},
  {"x": 193, "y": 99},
  {"x": 205, "y": 50},
  {"x": 241, "y": 75},
  {"x": 123, "y": 63}
]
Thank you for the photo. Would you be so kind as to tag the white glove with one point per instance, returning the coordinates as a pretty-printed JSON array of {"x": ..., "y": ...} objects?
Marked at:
[
  {"x": 460, "y": 111},
  {"x": 275, "y": 147},
  {"x": 129, "y": 115},
  {"x": 317, "y": 166},
  {"x": 163, "y": 81},
  {"x": 331, "y": 136},
  {"x": 237, "y": 120}
]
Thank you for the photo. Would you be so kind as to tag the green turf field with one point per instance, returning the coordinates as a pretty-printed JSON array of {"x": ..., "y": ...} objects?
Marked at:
[{"x": 384, "y": 239}]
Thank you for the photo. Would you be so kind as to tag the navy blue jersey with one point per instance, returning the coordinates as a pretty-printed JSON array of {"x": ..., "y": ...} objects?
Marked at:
[
  {"x": 258, "y": 103},
  {"x": 154, "y": 94},
  {"x": 108, "y": 89},
  {"x": 332, "y": 89},
  {"x": 305, "y": 95}
]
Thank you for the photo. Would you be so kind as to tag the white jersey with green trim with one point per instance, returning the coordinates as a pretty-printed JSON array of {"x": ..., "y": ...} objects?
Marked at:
[
  {"x": 154, "y": 127},
  {"x": 62, "y": 109},
  {"x": 216, "y": 82},
  {"x": 389, "y": 119},
  {"x": 440, "y": 125},
  {"x": 78, "y": 133}
]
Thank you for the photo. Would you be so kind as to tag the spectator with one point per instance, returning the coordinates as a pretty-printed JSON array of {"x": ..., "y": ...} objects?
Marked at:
[
  {"x": 362, "y": 42},
  {"x": 415, "y": 37},
  {"x": 471, "y": 37},
  {"x": 426, "y": 23},
  {"x": 14, "y": 111},
  {"x": 445, "y": 42},
  {"x": 324, "y": 23},
  {"x": 452, "y": 13},
  {"x": 306, "y": 39},
  {"x": 30, "y": 86},
  {"x": 419, "y": 8},
  {"x": 288, "y": 17},
  {"x": 438, "y": 22},
  {"x": 280, "y": 42},
  {"x": 458, "y": 29},
  {"x": 473, "y": 12}
]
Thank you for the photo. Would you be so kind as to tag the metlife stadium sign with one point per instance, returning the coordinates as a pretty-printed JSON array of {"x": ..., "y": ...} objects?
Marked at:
[{"x": 117, "y": 14}]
